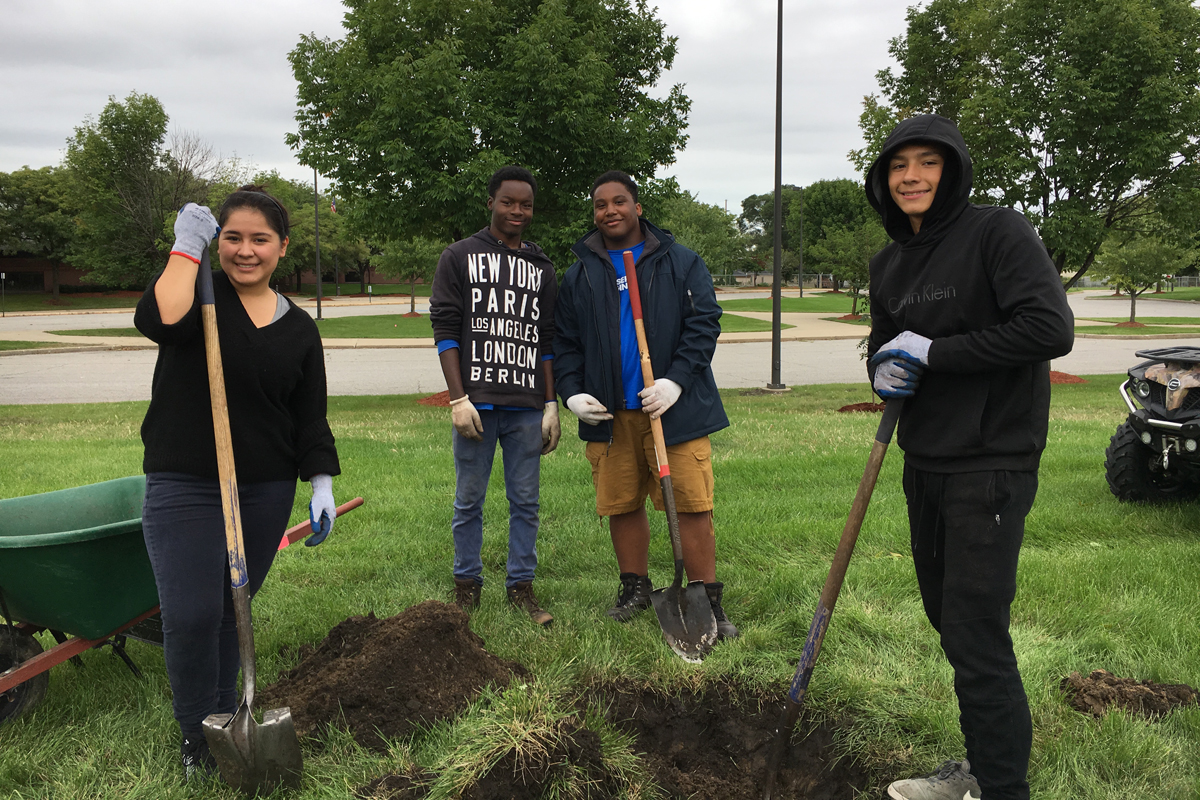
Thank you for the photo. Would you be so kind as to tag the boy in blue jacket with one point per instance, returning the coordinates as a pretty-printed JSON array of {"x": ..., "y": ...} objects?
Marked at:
[{"x": 597, "y": 370}]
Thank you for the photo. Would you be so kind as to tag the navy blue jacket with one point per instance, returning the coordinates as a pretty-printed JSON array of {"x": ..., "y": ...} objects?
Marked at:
[{"x": 682, "y": 319}]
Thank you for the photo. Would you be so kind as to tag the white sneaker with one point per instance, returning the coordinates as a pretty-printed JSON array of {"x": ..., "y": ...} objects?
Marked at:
[{"x": 952, "y": 781}]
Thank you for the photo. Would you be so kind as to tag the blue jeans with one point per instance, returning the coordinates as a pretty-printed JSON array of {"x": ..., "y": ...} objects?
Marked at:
[
  {"x": 520, "y": 437},
  {"x": 184, "y": 530}
]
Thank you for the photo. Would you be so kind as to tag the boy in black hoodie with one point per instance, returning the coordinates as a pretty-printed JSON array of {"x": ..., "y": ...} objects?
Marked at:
[
  {"x": 967, "y": 309},
  {"x": 492, "y": 309}
]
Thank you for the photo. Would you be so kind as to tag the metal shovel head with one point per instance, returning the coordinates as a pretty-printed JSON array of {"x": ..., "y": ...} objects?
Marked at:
[
  {"x": 253, "y": 757},
  {"x": 687, "y": 620}
]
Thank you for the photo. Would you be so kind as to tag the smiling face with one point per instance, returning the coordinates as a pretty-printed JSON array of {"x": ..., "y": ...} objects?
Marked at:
[
  {"x": 914, "y": 172},
  {"x": 512, "y": 211},
  {"x": 616, "y": 215},
  {"x": 249, "y": 248}
]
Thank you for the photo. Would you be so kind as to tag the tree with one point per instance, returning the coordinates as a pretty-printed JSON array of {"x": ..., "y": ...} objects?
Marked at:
[
  {"x": 422, "y": 101},
  {"x": 36, "y": 216},
  {"x": 847, "y": 252},
  {"x": 1134, "y": 264},
  {"x": 707, "y": 229},
  {"x": 128, "y": 183},
  {"x": 412, "y": 259},
  {"x": 1073, "y": 110}
]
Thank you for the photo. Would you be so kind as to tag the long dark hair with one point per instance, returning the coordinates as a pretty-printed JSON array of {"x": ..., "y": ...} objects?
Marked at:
[{"x": 257, "y": 197}]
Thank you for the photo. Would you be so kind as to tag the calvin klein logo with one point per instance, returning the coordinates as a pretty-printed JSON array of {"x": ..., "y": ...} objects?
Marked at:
[{"x": 926, "y": 294}]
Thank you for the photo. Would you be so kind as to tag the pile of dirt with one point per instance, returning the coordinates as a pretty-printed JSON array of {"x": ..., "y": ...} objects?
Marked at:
[
  {"x": 1101, "y": 691},
  {"x": 577, "y": 752},
  {"x": 381, "y": 678},
  {"x": 440, "y": 400},
  {"x": 867, "y": 407},
  {"x": 709, "y": 746},
  {"x": 1063, "y": 377}
]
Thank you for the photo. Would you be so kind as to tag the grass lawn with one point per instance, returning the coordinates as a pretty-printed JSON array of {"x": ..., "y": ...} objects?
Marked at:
[
  {"x": 17, "y": 345},
  {"x": 67, "y": 302},
  {"x": 99, "y": 332},
  {"x": 812, "y": 302},
  {"x": 398, "y": 326},
  {"x": 1101, "y": 585},
  {"x": 865, "y": 320},
  {"x": 1150, "y": 320},
  {"x": 1148, "y": 331}
]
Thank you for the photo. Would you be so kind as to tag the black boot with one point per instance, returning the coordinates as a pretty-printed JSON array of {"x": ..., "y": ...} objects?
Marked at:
[
  {"x": 633, "y": 597},
  {"x": 725, "y": 628},
  {"x": 466, "y": 594},
  {"x": 198, "y": 762}
]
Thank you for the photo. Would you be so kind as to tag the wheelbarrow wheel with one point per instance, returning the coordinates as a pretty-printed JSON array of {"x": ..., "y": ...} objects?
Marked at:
[{"x": 16, "y": 647}]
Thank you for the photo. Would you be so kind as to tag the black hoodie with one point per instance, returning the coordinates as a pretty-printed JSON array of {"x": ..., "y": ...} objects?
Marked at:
[{"x": 978, "y": 281}]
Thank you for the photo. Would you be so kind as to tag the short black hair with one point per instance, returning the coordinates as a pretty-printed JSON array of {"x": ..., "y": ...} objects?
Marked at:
[
  {"x": 616, "y": 176},
  {"x": 511, "y": 174},
  {"x": 257, "y": 197}
]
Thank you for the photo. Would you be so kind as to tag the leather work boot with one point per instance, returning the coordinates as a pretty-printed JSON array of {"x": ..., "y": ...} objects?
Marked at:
[
  {"x": 466, "y": 594},
  {"x": 952, "y": 781},
  {"x": 725, "y": 628},
  {"x": 522, "y": 597},
  {"x": 633, "y": 597}
]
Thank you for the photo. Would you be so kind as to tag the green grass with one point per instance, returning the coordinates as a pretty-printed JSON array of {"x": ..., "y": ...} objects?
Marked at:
[
  {"x": 812, "y": 302},
  {"x": 99, "y": 332},
  {"x": 865, "y": 319},
  {"x": 17, "y": 345},
  {"x": 398, "y": 326},
  {"x": 67, "y": 302},
  {"x": 1148, "y": 331},
  {"x": 1150, "y": 320},
  {"x": 1101, "y": 585},
  {"x": 734, "y": 323}
]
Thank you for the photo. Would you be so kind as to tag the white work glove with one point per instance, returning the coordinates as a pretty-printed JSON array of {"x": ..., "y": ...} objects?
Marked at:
[
  {"x": 896, "y": 377},
  {"x": 658, "y": 398},
  {"x": 588, "y": 408},
  {"x": 321, "y": 511},
  {"x": 912, "y": 347},
  {"x": 195, "y": 227},
  {"x": 551, "y": 429},
  {"x": 466, "y": 419}
]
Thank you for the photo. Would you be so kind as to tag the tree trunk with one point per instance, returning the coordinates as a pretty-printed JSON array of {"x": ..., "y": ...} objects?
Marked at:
[
  {"x": 412, "y": 294},
  {"x": 362, "y": 279},
  {"x": 337, "y": 277},
  {"x": 54, "y": 280},
  {"x": 1132, "y": 305}
]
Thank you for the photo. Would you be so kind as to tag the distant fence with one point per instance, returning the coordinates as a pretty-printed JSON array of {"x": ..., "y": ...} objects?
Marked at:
[{"x": 764, "y": 280}]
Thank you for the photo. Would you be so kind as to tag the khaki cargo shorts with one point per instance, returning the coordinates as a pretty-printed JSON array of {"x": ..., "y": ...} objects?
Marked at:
[{"x": 626, "y": 471}]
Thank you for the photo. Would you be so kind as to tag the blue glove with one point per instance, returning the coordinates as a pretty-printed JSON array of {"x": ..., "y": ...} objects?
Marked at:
[
  {"x": 912, "y": 347},
  {"x": 195, "y": 227},
  {"x": 321, "y": 511},
  {"x": 896, "y": 377}
]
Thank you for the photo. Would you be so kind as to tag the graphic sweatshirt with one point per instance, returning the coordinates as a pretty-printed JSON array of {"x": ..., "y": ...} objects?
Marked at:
[
  {"x": 978, "y": 281},
  {"x": 497, "y": 304}
]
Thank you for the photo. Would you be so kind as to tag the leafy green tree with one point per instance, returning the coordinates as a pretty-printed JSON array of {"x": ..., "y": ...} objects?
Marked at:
[
  {"x": 1073, "y": 110},
  {"x": 36, "y": 217},
  {"x": 1136, "y": 263},
  {"x": 412, "y": 260},
  {"x": 707, "y": 229},
  {"x": 831, "y": 204},
  {"x": 422, "y": 100},
  {"x": 847, "y": 252},
  {"x": 129, "y": 182}
]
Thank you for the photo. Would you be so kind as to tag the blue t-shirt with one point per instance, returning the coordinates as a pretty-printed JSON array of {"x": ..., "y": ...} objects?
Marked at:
[{"x": 631, "y": 360}]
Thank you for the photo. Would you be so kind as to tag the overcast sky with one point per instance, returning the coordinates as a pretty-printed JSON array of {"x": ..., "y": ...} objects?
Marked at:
[{"x": 220, "y": 69}]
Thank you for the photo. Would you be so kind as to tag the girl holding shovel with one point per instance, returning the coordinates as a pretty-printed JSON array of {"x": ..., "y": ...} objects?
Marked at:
[{"x": 275, "y": 378}]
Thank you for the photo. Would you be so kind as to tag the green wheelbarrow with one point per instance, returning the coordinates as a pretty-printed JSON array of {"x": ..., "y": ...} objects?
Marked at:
[{"x": 74, "y": 563}]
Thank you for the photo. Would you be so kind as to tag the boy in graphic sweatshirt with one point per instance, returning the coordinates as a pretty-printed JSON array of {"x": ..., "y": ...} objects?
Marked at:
[
  {"x": 492, "y": 309},
  {"x": 967, "y": 310}
]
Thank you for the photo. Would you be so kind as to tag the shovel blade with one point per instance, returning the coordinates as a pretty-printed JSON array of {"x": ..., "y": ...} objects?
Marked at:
[
  {"x": 687, "y": 620},
  {"x": 252, "y": 757}
]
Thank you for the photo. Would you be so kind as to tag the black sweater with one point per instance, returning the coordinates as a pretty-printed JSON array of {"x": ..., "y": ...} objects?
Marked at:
[
  {"x": 978, "y": 281},
  {"x": 498, "y": 304},
  {"x": 274, "y": 382}
]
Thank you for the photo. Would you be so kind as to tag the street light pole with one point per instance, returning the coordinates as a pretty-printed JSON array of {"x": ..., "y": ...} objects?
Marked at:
[
  {"x": 776, "y": 287},
  {"x": 317, "y": 235}
]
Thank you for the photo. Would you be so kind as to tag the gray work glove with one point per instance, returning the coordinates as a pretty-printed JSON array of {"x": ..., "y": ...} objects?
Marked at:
[
  {"x": 912, "y": 347},
  {"x": 896, "y": 377},
  {"x": 195, "y": 228},
  {"x": 321, "y": 510}
]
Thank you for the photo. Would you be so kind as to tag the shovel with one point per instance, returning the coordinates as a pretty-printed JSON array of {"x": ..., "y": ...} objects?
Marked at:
[
  {"x": 251, "y": 757},
  {"x": 685, "y": 614},
  {"x": 829, "y": 595}
]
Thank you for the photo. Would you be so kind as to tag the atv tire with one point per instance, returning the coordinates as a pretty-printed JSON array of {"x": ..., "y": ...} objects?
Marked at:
[
  {"x": 1127, "y": 466},
  {"x": 16, "y": 647}
]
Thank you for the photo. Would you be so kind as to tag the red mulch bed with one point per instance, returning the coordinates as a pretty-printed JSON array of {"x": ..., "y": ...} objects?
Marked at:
[
  {"x": 440, "y": 400},
  {"x": 1063, "y": 377},
  {"x": 851, "y": 316},
  {"x": 1128, "y": 324}
]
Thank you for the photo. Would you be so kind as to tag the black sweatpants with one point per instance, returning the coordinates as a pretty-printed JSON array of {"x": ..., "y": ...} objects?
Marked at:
[
  {"x": 966, "y": 535},
  {"x": 185, "y": 537}
]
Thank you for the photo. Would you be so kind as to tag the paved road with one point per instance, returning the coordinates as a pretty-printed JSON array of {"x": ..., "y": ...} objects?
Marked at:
[{"x": 101, "y": 376}]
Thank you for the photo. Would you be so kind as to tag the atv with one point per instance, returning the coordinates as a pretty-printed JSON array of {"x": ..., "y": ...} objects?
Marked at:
[{"x": 1155, "y": 454}]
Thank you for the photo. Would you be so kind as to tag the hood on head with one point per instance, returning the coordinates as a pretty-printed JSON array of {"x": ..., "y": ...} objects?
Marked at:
[{"x": 954, "y": 189}]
